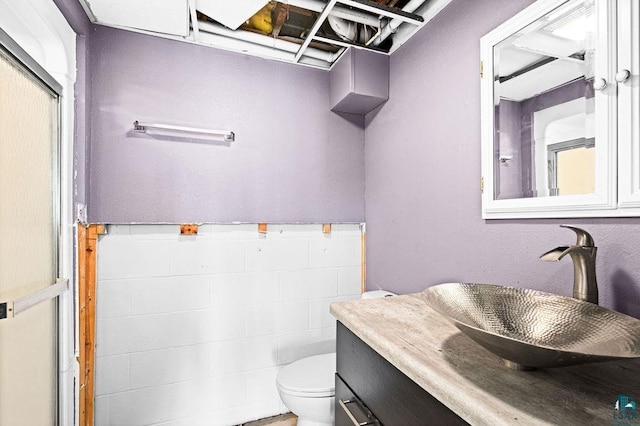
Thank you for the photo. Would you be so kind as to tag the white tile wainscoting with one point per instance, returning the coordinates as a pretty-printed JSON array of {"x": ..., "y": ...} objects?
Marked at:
[{"x": 192, "y": 330}]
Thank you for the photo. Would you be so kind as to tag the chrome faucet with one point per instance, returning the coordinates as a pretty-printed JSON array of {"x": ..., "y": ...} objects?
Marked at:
[{"x": 583, "y": 255}]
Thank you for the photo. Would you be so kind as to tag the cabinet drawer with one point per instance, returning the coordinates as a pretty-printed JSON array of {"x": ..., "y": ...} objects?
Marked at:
[
  {"x": 393, "y": 398},
  {"x": 349, "y": 409}
]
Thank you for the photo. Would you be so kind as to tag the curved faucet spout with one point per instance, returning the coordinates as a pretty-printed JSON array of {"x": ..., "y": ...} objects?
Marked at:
[
  {"x": 556, "y": 254},
  {"x": 583, "y": 255}
]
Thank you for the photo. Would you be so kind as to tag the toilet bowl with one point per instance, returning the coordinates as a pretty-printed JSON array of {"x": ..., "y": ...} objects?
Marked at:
[{"x": 307, "y": 386}]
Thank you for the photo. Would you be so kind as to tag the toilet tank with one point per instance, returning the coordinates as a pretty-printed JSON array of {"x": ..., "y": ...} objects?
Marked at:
[{"x": 377, "y": 294}]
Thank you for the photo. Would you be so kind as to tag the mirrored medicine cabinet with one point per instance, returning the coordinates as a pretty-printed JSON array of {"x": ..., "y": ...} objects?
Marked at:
[{"x": 560, "y": 111}]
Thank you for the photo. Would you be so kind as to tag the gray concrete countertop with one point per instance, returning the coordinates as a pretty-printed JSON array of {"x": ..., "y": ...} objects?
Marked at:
[{"x": 473, "y": 383}]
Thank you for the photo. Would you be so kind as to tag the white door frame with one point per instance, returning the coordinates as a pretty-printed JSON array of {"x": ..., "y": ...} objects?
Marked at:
[{"x": 41, "y": 30}]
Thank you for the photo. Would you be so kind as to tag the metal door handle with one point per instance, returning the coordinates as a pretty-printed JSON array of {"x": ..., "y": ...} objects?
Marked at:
[
  {"x": 371, "y": 421},
  {"x": 12, "y": 308}
]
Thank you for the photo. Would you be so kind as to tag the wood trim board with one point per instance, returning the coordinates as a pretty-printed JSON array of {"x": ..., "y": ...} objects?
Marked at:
[{"x": 87, "y": 258}]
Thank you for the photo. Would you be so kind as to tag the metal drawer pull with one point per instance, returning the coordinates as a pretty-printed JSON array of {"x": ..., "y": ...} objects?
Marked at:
[
  {"x": 353, "y": 419},
  {"x": 12, "y": 308}
]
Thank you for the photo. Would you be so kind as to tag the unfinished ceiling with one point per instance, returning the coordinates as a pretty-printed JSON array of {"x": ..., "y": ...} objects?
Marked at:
[{"x": 307, "y": 32}]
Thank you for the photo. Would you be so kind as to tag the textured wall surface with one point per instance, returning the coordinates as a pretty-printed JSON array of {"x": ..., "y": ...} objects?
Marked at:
[
  {"x": 423, "y": 202},
  {"x": 194, "y": 329},
  {"x": 293, "y": 159}
]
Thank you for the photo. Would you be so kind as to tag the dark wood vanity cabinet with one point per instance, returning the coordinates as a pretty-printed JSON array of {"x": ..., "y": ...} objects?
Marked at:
[{"x": 370, "y": 389}]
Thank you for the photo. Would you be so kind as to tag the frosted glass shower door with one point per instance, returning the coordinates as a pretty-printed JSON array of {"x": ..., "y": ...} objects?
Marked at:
[{"x": 28, "y": 245}]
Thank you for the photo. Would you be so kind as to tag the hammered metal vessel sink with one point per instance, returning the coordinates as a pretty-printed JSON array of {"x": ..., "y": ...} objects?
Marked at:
[{"x": 534, "y": 329}]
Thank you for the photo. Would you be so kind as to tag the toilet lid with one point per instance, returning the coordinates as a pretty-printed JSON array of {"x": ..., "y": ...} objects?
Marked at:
[{"x": 313, "y": 376}]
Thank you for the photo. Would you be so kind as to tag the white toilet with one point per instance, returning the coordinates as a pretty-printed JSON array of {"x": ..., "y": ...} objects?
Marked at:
[{"x": 307, "y": 386}]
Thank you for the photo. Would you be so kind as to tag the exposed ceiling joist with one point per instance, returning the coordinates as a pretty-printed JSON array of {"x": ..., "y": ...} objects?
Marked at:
[{"x": 307, "y": 32}]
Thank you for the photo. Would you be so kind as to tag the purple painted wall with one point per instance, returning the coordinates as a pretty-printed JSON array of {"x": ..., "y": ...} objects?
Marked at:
[
  {"x": 293, "y": 159},
  {"x": 423, "y": 204}
]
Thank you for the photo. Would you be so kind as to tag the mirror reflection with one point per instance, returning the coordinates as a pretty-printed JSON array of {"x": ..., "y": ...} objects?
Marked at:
[{"x": 544, "y": 126}]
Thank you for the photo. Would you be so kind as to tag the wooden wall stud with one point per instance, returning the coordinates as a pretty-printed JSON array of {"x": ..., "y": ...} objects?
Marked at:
[
  {"x": 189, "y": 229},
  {"x": 87, "y": 257}
]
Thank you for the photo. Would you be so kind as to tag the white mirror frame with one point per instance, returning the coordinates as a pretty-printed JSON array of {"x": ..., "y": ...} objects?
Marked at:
[
  {"x": 604, "y": 201},
  {"x": 629, "y": 105}
]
